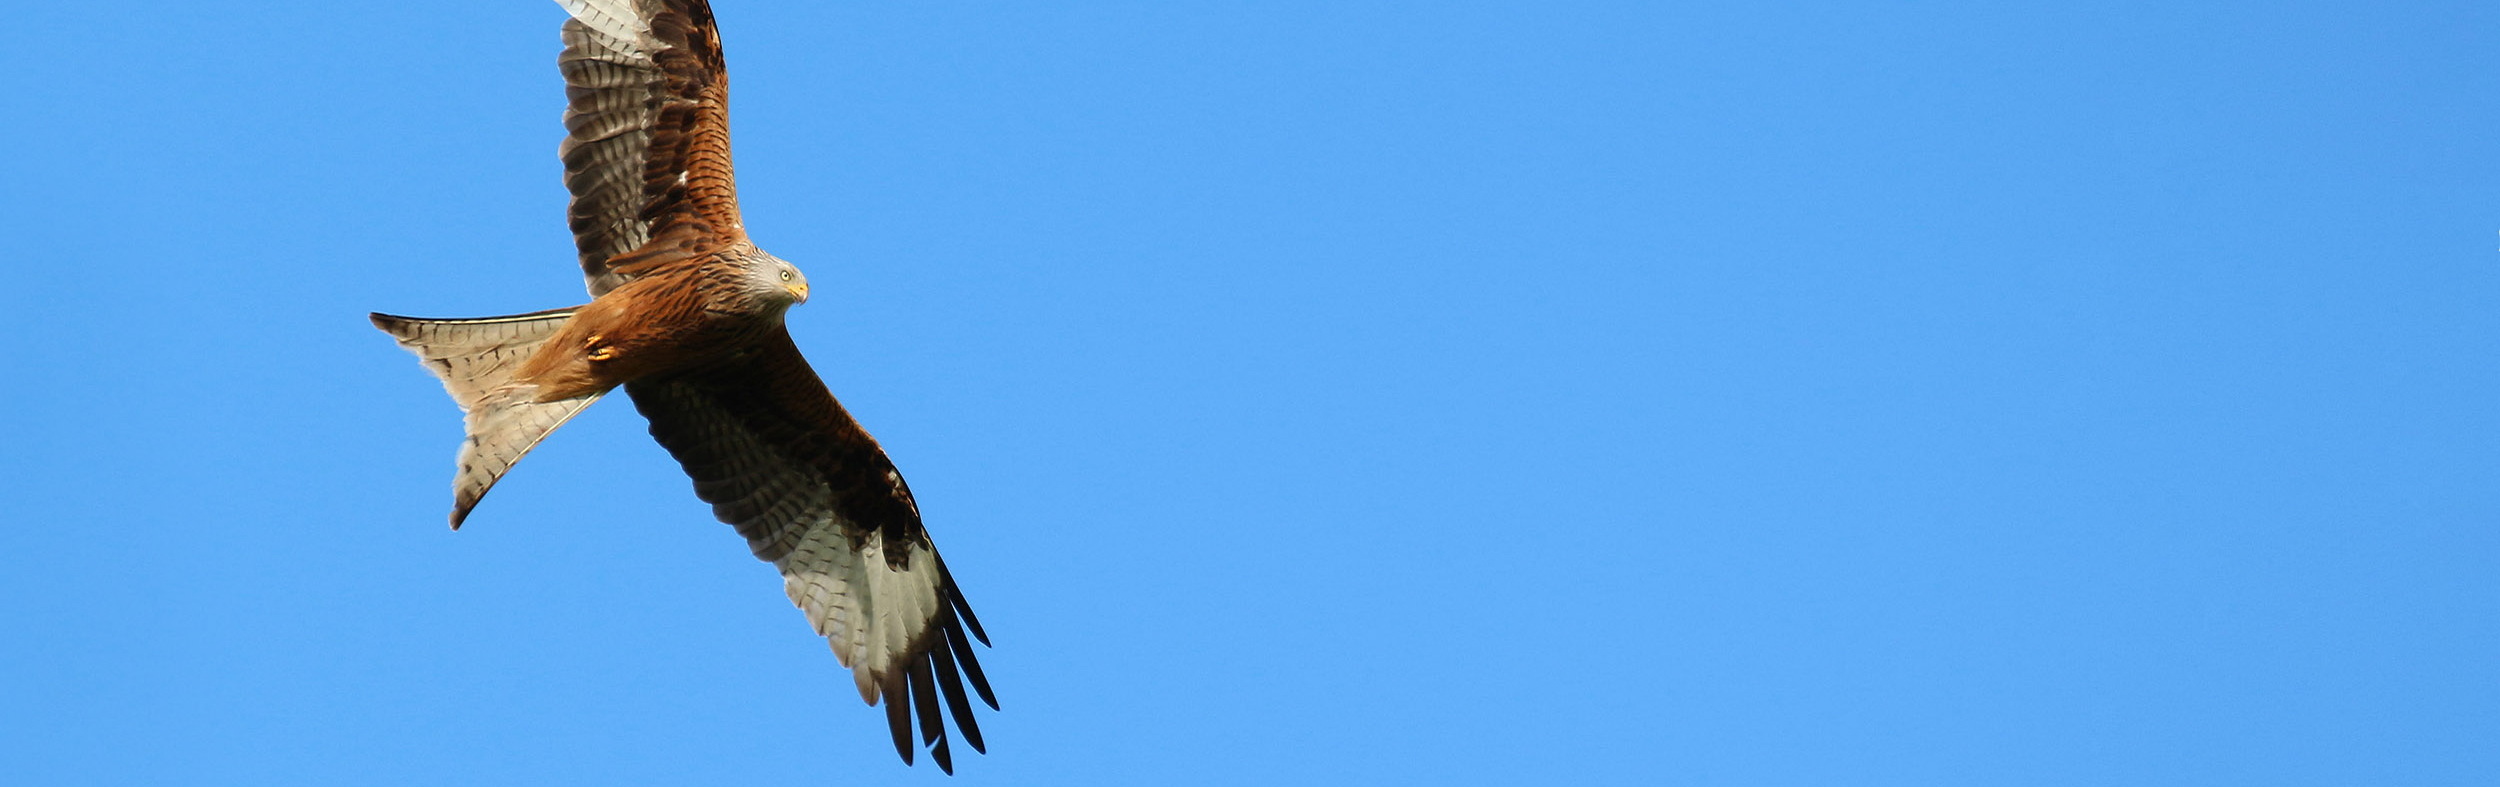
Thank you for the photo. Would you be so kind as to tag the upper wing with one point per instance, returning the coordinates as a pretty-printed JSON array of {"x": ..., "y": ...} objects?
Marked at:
[
  {"x": 777, "y": 457},
  {"x": 646, "y": 148}
]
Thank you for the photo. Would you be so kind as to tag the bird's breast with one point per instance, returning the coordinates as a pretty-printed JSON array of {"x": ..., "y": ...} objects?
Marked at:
[{"x": 637, "y": 332}]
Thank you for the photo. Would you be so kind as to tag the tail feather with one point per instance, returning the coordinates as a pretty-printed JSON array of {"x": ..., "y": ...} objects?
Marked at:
[
  {"x": 476, "y": 358},
  {"x": 508, "y": 422}
]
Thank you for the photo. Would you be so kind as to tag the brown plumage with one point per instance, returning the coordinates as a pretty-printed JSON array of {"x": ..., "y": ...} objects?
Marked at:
[{"x": 686, "y": 315}]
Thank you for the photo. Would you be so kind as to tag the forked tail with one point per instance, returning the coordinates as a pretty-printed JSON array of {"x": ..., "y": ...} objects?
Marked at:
[{"x": 476, "y": 359}]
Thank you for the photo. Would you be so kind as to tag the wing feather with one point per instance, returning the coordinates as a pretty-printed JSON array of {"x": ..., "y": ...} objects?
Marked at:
[
  {"x": 780, "y": 460},
  {"x": 646, "y": 147}
]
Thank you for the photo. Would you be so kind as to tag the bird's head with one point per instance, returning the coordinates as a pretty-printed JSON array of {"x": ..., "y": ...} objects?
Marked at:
[{"x": 775, "y": 282}]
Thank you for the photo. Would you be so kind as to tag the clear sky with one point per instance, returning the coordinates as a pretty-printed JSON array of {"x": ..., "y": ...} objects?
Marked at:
[{"x": 1304, "y": 393}]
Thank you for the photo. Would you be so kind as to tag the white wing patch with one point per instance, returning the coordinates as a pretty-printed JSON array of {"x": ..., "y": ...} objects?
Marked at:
[{"x": 867, "y": 611}]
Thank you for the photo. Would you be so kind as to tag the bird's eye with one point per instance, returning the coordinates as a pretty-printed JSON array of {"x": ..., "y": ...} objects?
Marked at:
[{"x": 785, "y": 274}]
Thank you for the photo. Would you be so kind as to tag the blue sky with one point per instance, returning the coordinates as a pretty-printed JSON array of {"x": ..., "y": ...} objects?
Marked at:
[{"x": 1325, "y": 393}]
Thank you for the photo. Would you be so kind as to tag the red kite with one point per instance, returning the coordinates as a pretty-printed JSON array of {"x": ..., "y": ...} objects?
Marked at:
[{"x": 686, "y": 314}]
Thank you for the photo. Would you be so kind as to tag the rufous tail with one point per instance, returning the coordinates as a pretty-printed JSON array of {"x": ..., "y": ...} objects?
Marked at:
[{"x": 476, "y": 359}]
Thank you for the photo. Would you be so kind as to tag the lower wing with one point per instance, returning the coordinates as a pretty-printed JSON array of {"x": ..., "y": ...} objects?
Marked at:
[{"x": 777, "y": 457}]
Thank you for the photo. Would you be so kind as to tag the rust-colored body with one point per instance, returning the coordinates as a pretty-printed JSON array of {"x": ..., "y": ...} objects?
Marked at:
[{"x": 655, "y": 324}]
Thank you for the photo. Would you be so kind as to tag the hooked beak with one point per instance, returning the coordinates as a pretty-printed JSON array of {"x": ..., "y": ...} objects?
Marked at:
[{"x": 799, "y": 291}]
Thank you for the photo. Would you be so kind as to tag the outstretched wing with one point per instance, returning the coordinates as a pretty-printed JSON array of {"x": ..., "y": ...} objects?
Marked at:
[
  {"x": 646, "y": 147},
  {"x": 778, "y": 458}
]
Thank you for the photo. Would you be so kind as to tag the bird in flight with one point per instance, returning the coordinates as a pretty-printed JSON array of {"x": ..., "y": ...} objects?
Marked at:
[{"x": 686, "y": 315}]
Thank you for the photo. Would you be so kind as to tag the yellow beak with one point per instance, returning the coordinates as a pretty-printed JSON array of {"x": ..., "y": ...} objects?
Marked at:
[{"x": 799, "y": 290}]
